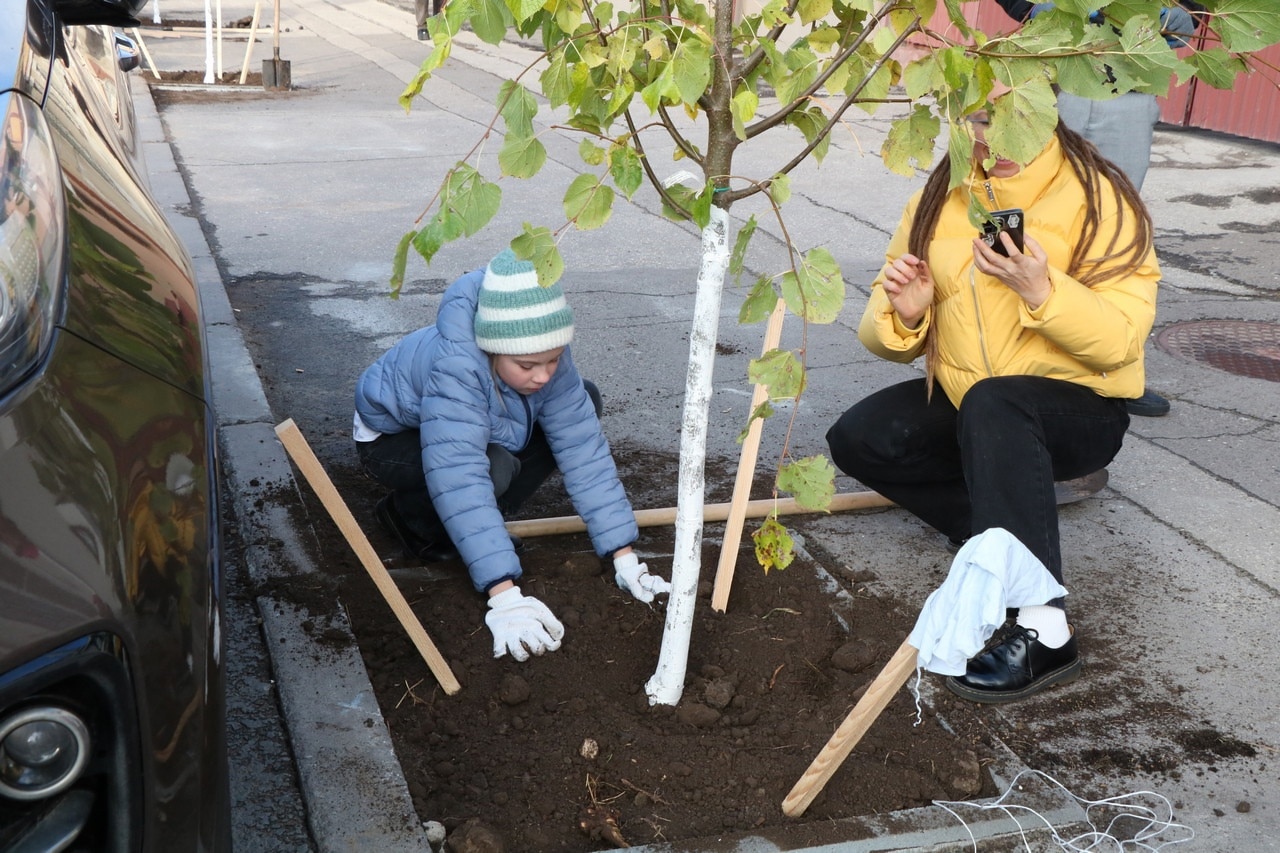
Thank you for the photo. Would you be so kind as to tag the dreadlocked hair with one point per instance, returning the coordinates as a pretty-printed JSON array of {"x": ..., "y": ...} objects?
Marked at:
[{"x": 1095, "y": 172}]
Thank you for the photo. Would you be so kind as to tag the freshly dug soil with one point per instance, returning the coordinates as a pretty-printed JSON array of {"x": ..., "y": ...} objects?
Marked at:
[{"x": 564, "y": 752}]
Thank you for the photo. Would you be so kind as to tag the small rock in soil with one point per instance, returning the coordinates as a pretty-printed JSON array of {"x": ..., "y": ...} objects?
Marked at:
[
  {"x": 719, "y": 693},
  {"x": 698, "y": 715},
  {"x": 854, "y": 656},
  {"x": 474, "y": 836},
  {"x": 513, "y": 690}
]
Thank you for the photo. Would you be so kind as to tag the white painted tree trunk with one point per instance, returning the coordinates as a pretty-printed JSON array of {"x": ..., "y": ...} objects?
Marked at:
[{"x": 667, "y": 683}]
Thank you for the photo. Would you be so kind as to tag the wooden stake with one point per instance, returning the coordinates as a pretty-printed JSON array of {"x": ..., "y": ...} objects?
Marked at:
[
  {"x": 710, "y": 513},
  {"x": 248, "y": 49},
  {"x": 745, "y": 476},
  {"x": 314, "y": 473},
  {"x": 146, "y": 54},
  {"x": 855, "y": 725}
]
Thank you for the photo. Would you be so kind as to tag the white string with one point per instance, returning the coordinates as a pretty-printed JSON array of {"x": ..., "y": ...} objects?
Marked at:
[
  {"x": 1155, "y": 820},
  {"x": 915, "y": 691}
]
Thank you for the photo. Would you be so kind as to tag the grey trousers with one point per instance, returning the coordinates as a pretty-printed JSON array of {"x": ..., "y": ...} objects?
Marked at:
[
  {"x": 423, "y": 9},
  {"x": 1121, "y": 128}
]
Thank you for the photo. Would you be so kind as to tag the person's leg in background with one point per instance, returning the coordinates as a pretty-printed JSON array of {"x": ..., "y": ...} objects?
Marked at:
[
  {"x": 420, "y": 14},
  {"x": 1122, "y": 129}
]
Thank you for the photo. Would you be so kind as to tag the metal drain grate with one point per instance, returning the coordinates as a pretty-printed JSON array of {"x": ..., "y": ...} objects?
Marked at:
[{"x": 1237, "y": 346}]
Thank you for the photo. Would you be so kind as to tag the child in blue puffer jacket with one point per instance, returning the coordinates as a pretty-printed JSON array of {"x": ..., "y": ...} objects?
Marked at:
[{"x": 463, "y": 420}]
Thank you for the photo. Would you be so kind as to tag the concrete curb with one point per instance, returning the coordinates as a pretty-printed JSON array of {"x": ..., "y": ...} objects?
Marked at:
[{"x": 354, "y": 791}]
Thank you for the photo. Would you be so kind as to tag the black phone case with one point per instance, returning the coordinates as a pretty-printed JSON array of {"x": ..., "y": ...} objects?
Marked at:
[{"x": 1003, "y": 220}]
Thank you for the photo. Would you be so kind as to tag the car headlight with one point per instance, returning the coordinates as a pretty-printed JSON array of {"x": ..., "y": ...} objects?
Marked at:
[
  {"x": 32, "y": 237},
  {"x": 42, "y": 752}
]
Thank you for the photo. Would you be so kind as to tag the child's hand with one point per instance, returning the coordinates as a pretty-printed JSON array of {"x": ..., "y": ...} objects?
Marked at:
[
  {"x": 633, "y": 576},
  {"x": 522, "y": 625}
]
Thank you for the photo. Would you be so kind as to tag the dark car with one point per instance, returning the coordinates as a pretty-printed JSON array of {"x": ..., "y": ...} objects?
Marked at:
[{"x": 112, "y": 712}]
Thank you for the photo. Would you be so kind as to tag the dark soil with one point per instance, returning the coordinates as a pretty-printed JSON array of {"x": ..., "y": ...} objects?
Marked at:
[{"x": 565, "y": 753}]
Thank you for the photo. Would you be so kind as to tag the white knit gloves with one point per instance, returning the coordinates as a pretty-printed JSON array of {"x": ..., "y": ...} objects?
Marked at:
[
  {"x": 522, "y": 625},
  {"x": 633, "y": 576}
]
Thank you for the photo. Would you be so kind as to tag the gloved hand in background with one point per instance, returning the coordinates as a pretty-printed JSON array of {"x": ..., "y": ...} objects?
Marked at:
[
  {"x": 522, "y": 625},
  {"x": 633, "y": 576},
  {"x": 1177, "y": 24}
]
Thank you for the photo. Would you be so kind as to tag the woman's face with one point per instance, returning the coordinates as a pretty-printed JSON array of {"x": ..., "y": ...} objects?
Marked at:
[
  {"x": 526, "y": 374},
  {"x": 1003, "y": 168}
]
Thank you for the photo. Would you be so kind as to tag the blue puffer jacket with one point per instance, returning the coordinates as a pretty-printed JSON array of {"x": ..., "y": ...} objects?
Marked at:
[{"x": 437, "y": 381}]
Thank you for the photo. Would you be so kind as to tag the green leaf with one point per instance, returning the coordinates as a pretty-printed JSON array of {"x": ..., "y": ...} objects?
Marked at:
[
  {"x": 762, "y": 412},
  {"x": 811, "y": 481},
  {"x": 813, "y": 10},
  {"x": 1245, "y": 25},
  {"x": 780, "y": 371},
  {"x": 567, "y": 14},
  {"x": 701, "y": 206},
  {"x": 1218, "y": 68},
  {"x": 439, "y": 53},
  {"x": 780, "y": 188},
  {"x": 518, "y": 107},
  {"x": 1023, "y": 121},
  {"x": 759, "y": 304},
  {"x": 522, "y": 10},
  {"x": 538, "y": 246},
  {"x": 684, "y": 197},
  {"x": 626, "y": 169},
  {"x": 662, "y": 90},
  {"x": 802, "y": 66},
  {"x": 1147, "y": 63},
  {"x": 691, "y": 67},
  {"x": 1083, "y": 76},
  {"x": 743, "y": 107},
  {"x": 811, "y": 121},
  {"x": 489, "y": 21},
  {"x": 591, "y": 154},
  {"x": 472, "y": 199},
  {"x": 815, "y": 291},
  {"x": 436, "y": 233},
  {"x": 911, "y": 140},
  {"x": 399, "y": 261},
  {"x": 557, "y": 79},
  {"x": 521, "y": 156},
  {"x": 775, "y": 549},
  {"x": 588, "y": 203},
  {"x": 738, "y": 258}
]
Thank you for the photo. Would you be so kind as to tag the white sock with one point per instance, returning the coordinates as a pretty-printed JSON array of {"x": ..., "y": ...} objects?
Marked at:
[{"x": 1050, "y": 623}]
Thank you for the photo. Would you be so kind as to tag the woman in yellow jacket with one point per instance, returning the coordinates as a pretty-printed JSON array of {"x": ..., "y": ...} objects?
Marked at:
[{"x": 1035, "y": 354}]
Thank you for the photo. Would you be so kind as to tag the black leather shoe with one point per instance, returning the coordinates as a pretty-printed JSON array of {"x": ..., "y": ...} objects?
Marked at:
[
  {"x": 1015, "y": 665},
  {"x": 415, "y": 546},
  {"x": 423, "y": 34},
  {"x": 1149, "y": 405}
]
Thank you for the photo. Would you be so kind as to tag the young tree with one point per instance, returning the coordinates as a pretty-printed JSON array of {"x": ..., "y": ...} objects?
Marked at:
[{"x": 689, "y": 73}]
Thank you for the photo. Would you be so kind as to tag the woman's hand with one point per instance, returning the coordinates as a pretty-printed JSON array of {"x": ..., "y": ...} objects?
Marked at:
[
  {"x": 1025, "y": 274},
  {"x": 909, "y": 286}
]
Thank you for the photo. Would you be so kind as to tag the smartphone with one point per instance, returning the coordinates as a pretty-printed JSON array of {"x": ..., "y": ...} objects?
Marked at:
[{"x": 1003, "y": 220}]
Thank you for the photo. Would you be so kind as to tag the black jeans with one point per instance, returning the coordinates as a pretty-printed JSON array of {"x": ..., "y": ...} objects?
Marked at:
[
  {"x": 993, "y": 463},
  {"x": 394, "y": 460}
]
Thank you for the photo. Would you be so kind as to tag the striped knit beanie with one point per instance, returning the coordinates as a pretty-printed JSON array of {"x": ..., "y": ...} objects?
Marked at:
[{"x": 516, "y": 315}]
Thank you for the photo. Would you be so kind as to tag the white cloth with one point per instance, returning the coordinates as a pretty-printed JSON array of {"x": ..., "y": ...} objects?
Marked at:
[{"x": 991, "y": 572}]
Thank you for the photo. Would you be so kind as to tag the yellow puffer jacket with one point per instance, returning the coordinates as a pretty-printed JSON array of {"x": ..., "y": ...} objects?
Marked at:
[{"x": 1090, "y": 335}]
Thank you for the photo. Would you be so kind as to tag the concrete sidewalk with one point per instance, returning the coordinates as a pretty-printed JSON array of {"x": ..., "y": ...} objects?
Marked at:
[{"x": 1172, "y": 569}]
